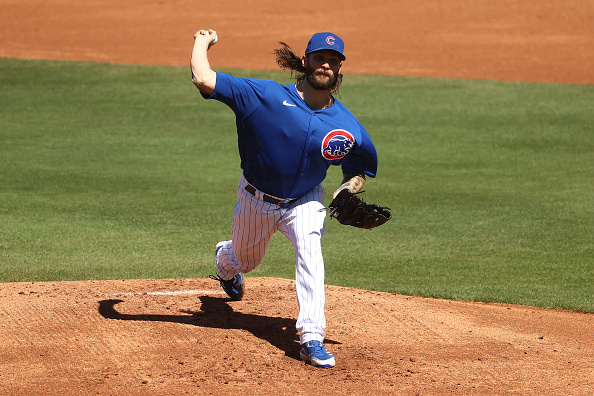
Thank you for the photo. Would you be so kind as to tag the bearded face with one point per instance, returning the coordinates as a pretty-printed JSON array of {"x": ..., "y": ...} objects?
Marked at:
[{"x": 320, "y": 79}]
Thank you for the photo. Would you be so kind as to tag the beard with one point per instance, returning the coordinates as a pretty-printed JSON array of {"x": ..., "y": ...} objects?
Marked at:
[{"x": 315, "y": 78}]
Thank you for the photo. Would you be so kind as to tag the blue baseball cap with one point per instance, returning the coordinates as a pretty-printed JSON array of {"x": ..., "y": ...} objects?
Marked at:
[{"x": 326, "y": 40}]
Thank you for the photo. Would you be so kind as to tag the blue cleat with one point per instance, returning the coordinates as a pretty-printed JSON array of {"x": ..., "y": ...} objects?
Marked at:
[
  {"x": 316, "y": 354},
  {"x": 234, "y": 287}
]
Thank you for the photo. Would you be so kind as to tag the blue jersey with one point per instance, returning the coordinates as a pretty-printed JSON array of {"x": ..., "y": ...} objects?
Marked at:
[{"x": 286, "y": 147}]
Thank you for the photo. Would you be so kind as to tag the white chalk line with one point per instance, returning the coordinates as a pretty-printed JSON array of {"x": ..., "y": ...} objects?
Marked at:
[{"x": 170, "y": 293}]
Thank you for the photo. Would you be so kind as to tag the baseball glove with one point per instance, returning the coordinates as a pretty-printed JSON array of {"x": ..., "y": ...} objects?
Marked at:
[{"x": 349, "y": 209}]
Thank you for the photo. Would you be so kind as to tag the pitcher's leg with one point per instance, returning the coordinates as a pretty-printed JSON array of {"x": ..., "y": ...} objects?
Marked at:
[
  {"x": 254, "y": 223},
  {"x": 227, "y": 265},
  {"x": 311, "y": 294},
  {"x": 305, "y": 228}
]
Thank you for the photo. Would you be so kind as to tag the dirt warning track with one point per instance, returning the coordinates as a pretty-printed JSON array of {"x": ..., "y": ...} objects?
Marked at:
[{"x": 541, "y": 41}]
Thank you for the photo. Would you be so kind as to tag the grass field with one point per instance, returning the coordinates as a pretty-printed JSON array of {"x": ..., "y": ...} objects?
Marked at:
[{"x": 111, "y": 171}]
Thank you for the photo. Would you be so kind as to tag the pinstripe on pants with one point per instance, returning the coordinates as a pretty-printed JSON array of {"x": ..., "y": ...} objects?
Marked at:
[{"x": 254, "y": 223}]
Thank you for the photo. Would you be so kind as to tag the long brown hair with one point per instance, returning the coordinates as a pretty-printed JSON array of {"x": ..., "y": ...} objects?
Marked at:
[{"x": 286, "y": 59}]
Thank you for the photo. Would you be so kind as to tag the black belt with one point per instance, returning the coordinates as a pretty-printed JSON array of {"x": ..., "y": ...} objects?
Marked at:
[{"x": 283, "y": 203}]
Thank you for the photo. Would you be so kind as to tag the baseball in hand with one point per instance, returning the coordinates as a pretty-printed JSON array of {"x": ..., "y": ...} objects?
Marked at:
[{"x": 215, "y": 40}]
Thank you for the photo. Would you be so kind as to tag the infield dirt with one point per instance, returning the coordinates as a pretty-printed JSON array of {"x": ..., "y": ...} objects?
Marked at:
[{"x": 170, "y": 337}]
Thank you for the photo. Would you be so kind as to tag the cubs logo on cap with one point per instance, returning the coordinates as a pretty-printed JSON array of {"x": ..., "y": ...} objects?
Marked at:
[
  {"x": 336, "y": 144},
  {"x": 326, "y": 40}
]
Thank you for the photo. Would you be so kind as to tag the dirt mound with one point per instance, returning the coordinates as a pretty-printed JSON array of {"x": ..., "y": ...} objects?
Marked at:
[{"x": 185, "y": 336}]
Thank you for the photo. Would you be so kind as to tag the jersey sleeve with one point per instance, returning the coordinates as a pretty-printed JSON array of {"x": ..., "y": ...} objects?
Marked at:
[
  {"x": 243, "y": 95},
  {"x": 363, "y": 157}
]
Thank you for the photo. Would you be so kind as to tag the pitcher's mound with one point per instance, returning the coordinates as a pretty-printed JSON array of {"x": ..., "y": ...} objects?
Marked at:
[{"x": 173, "y": 337}]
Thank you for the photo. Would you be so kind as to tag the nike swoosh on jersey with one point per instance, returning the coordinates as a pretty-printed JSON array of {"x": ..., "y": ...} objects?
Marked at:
[{"x": 289, "y": 104}]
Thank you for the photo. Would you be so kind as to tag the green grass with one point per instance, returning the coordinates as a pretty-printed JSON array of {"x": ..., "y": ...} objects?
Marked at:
[{"x": 110, "y": 171}]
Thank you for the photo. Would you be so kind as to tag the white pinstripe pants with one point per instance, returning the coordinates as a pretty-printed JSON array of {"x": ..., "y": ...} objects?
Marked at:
[{"x": 254, "y": 223}]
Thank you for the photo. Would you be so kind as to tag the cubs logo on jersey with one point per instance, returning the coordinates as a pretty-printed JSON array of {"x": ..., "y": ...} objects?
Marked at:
[{"x": 336, "y": 144}]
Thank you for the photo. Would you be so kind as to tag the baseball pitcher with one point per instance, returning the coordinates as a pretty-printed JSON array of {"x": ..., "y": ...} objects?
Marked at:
[{"x": 288, "y": 137}]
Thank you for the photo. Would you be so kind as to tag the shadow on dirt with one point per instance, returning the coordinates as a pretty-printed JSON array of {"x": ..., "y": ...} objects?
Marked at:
[{"x": 216, "y": 313}]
